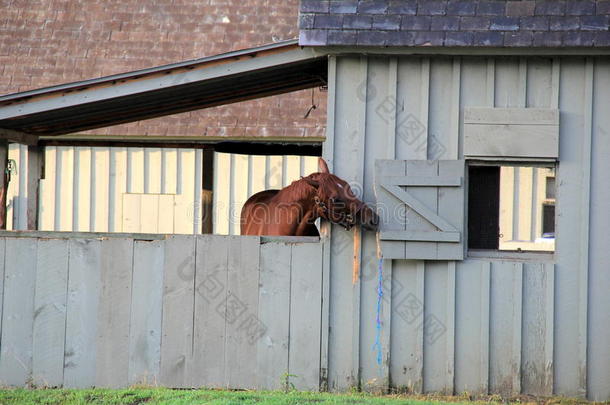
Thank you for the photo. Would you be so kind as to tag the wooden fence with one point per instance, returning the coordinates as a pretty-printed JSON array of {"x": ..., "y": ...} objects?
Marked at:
[{"x": 180, "y": 311}]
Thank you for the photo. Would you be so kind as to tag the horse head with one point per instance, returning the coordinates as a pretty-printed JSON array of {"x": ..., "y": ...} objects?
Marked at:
[{"x": 336, "y": 202}]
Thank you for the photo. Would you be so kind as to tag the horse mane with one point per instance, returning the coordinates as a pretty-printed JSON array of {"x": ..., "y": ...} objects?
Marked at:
[{"x": 297, "y": 190}]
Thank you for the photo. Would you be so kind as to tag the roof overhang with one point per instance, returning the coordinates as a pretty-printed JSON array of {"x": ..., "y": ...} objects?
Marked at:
[{"x": 222, "y": 79}]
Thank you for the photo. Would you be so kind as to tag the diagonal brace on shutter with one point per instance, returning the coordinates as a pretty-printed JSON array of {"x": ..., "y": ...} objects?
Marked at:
[{"x": 448, "y": 233}]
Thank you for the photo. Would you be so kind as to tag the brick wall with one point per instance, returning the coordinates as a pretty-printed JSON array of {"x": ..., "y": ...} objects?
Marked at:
[{"x": 48, "y": 42}]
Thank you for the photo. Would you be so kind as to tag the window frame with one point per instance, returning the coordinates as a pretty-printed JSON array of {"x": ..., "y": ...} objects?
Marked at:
[{"x": 525, "y": 255}]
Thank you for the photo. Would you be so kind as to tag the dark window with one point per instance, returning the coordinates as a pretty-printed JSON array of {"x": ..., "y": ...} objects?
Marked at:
[
  {"x": 550, "y": 188},
  {"x": 548, "y": 221},
  {"x": 511, "y": 207},
  {"x": 483, "y": 207}
]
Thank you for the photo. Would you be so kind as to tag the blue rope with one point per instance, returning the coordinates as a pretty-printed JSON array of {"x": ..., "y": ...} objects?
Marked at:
[{"x": 377, "y": 345}]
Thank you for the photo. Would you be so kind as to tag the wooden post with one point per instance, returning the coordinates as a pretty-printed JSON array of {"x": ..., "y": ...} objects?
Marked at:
[
  {"x": 35, "y": 173},
  {"x": 3, "y": 182}
]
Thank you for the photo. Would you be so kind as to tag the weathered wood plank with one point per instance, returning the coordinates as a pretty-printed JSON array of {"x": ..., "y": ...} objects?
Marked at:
[
  {"x": 305, "y": 307},
  {"x": 537, "y": 377},
  {"x": 505, "y": 342},
  {"x": 18, "y": 311},
  {"x": 426, "y": 201},
  {"x": 570, "y": 343},
  {"x": 599, "y": 276},
  {"x": 420, "y": 236},
  {"x": 84, "y": 280},
  {"x": 178, "y": 306},
  {"x": 2, "y": 271},
  {"x": 112, "y": 362},
  {"x": 240, "y": 312},
  {"x": 274, "y": 315},
  {"x": 391, "y": 211},
  {"x": 507, "y": 140},
  {"x": 446, "y": 181},
  {"x": 344, "y": 336},
  {"x": 146, "y": 312},
  {"x": 209, "y": 332},
  {"x": 50, "y": 312},
  {"x": 472, "y": 306},
  {"x": 513, "y": 116},
  {"x": 406, "y": 353},
  {"x": 451, "y": 206},
  {"x": 436, "y": 326}
]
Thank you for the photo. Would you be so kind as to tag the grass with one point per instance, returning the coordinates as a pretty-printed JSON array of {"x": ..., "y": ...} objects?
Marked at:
[{"x": 154, "y": 396}]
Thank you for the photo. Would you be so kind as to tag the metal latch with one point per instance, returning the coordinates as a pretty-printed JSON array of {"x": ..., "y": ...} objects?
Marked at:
[{"x": 11, "y": 168}]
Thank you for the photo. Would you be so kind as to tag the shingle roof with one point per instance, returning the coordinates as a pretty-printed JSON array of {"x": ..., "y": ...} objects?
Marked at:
[{"x": 452, "y": 23}]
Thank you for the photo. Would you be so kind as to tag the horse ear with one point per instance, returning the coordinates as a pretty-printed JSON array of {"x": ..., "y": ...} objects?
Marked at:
[
  {"x": 311, "y": 181},
  {"x": 322, "y": 166}
]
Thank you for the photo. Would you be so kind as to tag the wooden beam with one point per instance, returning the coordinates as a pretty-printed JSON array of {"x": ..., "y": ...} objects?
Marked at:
[{"x": 18, "y": 137}]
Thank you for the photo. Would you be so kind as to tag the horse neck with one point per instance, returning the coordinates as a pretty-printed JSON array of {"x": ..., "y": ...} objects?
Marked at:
[{"x": 299, "y": 194}]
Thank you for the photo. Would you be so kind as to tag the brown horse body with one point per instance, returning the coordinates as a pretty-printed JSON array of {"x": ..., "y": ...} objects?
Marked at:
[{"x": 293, "y": 210}]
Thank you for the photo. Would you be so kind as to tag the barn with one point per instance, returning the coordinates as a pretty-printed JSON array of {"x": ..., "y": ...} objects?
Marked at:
[{"x": 477, "y": 129}]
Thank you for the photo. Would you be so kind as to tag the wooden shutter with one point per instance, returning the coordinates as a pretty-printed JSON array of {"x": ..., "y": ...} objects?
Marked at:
[
  {"x": 513, "y": 133},
  {"x": 421, "y": 206}
]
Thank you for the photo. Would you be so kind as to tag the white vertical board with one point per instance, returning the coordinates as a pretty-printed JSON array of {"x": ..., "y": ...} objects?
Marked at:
[
  {"x": 46, "y": 209},
  {"x": 107, "y": 184},
  {"x": 18, "y": 311},
  {"x": 50, "y": 312},
  {"x": 146, "y": 312},
  {"x": 117, "y": 185},
  {"x": 82, "y": 189}
]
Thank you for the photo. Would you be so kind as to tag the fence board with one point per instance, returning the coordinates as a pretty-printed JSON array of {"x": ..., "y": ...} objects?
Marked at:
[
  {"x": 50, "y": 312},
  {"x": 537, "y": 377},
  {"x": 241, "y": 309},
  {"x": 210, "y": 294},
  {"x": 84, "y": 278},
  {"x": 505, "y": 328},
  {"x": 472, "y": 309},
  {"x": 178, "y": 303},
  {"x": 274, "y": 314},
  {"x": 18, "y": 311},
  {"x": 406, "y": 365},
  {"x": 305, "y": 321},
  {"x": 2, "y": 272},
  {"x": 146, "y": 312},
  {"x": 112, "y": 362}
]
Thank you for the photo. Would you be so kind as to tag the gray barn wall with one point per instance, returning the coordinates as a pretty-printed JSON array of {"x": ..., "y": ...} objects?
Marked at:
[{"x": 538, "y": 325}]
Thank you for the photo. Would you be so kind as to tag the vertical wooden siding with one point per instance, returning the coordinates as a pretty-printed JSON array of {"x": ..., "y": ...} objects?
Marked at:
[
  {"x": 481, "y": 325},
  {"x": 185, "y": 311},
  {"x": 136, "y": 189}
]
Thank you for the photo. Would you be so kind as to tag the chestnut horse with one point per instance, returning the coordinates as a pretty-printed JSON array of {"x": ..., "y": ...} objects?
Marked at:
[{"x": 293, "y": 210}]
